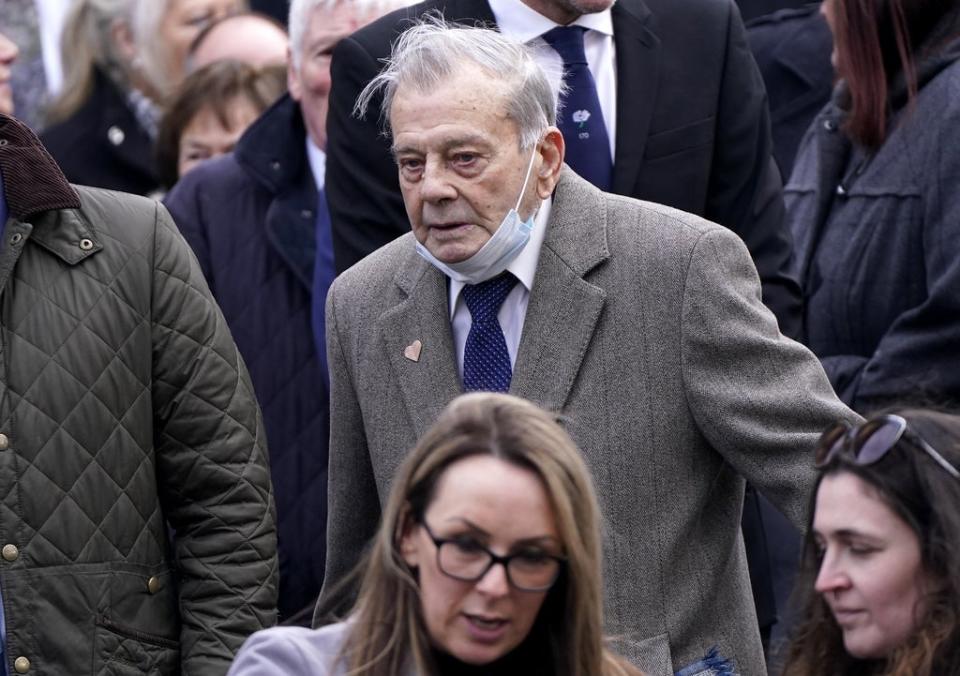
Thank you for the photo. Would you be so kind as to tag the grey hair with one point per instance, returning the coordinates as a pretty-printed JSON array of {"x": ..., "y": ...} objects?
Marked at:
[
  {"x": 301, "y": 10},
  {"x": 432, "y": 50},
  {"x": 151, "y": 50}
]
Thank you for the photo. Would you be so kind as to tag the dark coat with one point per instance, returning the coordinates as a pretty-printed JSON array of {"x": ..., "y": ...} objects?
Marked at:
[
  {"x": 792, "y": 49},
  {"x": 693, "y": 132},
  {"x": 250, "y": 219},
  {"x": 127, "y": 418},
  {"x": 103, "y": 144},
  {"x": 878, "y": 238}
]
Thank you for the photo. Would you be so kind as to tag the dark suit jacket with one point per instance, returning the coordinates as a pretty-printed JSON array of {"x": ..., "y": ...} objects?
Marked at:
[
  {"x": 249, "y": 217},
  {"x": 103, "y": 145},
  {"x": 692, "y": 132},
  {"x": 646, "y": 331}
]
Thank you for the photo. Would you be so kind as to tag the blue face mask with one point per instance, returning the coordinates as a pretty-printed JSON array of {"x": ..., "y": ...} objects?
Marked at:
[{"x": 496, "y": 255}]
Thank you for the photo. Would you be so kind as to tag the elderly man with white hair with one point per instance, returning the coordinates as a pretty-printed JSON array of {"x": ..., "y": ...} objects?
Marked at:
[
  {"x": 641, "y": 325},
  {"x": 256, "y": 218}
]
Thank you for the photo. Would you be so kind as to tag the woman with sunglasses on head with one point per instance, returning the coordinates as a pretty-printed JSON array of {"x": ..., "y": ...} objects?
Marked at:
[
  {"x": 881, "y": 570},
  {"x": 487, "y": 561}
]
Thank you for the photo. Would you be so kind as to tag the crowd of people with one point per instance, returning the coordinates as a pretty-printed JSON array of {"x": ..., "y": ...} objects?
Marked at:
[{"x": 479, "y": 336}]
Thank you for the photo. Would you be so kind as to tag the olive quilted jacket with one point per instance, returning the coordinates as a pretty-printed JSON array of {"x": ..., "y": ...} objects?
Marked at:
[{"x": 136, "y": 518}]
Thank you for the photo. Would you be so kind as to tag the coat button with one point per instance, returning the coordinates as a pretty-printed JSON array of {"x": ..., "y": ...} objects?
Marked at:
[
  {"x": 153, "y": 585},
  {"x": 21, "y": 664},
  {"x": 841, "y": 190},
  {"x": 15, "y": 238},
  {"x": 830, "y": 125},
  {"x": 10, "y": 552},
  {"x": 86, "y": 244},
  {"x": 4, "y": 442},
  {"x": 115, "y": 135}
]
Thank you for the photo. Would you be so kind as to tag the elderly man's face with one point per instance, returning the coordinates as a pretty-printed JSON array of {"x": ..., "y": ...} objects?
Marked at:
[
  {"x": 310, "y": 82},
  {"x": 460, "y": 164},
  {"x": 8, "y": 54}
]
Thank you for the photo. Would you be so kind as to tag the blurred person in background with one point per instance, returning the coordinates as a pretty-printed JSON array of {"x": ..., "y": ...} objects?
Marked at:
[
  {"x": 35, "y": 26},
  {"x": 8, "y": 55},
  {"x": 121, "y": 59},
  {"x": 881, "y": 586},
  {"x": 257, "y": 220},
  {"x": 252, "y": 38},
  {"x": 212, "y": 108},
  {"x": 487, "y": 561},
  {"x": 874, "y": 207}
]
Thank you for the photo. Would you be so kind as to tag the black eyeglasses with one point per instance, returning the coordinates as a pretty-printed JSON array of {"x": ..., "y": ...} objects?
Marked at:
[
  {"x": 871, "y": 441},
  {"x": 465, "y": 559}
]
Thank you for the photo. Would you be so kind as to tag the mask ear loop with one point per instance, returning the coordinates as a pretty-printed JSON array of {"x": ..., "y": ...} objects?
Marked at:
[{"x": 526, "y": 179}]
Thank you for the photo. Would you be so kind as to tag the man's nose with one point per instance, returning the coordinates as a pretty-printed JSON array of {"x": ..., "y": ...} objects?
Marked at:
[
  {"x": 8, "y": 50},
  {"x": 435, "y": 185},
  {"x": 494, "y": 582},
  {"x": 831, "y": 576}
]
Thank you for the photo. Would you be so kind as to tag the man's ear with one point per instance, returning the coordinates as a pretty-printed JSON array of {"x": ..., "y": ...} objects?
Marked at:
[
  {"x": 293, "y": 81},
  {"x": 122, "y": 37},
  {"x": 551, "y": 162}
]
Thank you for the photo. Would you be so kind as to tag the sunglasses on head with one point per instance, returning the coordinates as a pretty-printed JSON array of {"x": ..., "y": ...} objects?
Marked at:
[{"x": 869, "y": 442}]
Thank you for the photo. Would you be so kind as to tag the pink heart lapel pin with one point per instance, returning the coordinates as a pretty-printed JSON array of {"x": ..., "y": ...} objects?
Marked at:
[{"x": 412, "y": 351}]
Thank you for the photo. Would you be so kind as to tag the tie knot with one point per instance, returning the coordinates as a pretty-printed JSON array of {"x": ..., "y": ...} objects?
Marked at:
[
  {"x": 568, "y": 43},
  {"x": 484, "y": 299}
]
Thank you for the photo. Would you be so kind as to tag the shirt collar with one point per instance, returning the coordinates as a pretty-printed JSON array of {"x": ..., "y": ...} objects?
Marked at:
[
  {"x": 524, "y": 266},
  {"x": 518, "y": 21},
  {"x": 318, "y": 164}
]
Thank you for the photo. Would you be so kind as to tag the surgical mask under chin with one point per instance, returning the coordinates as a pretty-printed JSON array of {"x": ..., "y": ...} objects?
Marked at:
[{"x": 496, "y": 255}]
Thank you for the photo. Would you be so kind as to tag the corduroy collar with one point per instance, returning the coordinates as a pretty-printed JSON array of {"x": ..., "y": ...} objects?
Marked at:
[{"x": 32, "y": 181}]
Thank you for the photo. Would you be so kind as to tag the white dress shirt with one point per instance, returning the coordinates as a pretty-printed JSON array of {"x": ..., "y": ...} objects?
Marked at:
[
  {"x": 526, "y": 25},
  {"x": 50, "y": 17},
  {"x": 318, "y": 164},
  {"x": 514, "y": 308}
]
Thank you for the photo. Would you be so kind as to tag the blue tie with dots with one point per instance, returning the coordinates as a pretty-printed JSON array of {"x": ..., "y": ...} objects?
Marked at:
[
  {"x": 486, "y": 362},
  {"x": 581, "y": 118}
]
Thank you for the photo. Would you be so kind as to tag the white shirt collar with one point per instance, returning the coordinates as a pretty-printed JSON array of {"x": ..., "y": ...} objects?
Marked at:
[
  {"x": 524, "y": 266},
  {"x": 318, "y": 164},
  {"x": 518, "y": 21}
]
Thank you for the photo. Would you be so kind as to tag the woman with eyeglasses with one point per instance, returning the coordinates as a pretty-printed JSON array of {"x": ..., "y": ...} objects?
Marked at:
[
  {"x": 881, "y": 570},
  {"x": 487, "y": 561}
]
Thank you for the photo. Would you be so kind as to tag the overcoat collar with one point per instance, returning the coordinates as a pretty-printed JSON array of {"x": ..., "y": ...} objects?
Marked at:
[
  {"x": 43, "y": 205},
  {"x": 561, "y": 316}
]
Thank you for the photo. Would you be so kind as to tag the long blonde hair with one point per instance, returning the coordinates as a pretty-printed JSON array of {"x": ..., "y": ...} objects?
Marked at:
[
  {"x": 388, "y": 634},
  {"x": 86, "y": 45}
]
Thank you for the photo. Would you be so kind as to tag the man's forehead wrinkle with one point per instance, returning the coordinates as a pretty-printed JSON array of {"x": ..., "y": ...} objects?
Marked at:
[{"x": 451, "y": 140}]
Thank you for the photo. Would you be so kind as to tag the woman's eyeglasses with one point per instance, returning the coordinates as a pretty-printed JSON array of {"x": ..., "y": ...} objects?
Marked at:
[
  {"x": 871, "y": 441},
  {"x": 467, "y": 560}
]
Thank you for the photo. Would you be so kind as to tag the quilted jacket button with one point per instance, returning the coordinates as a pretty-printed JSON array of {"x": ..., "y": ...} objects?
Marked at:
[
  {"x": 10, "y": 552},
  {"x": 153, "y": 585},
  {"x": 86, "y": 244},
  {"x": 21, "y": 664},
  {"x": 4, "y": 442}
]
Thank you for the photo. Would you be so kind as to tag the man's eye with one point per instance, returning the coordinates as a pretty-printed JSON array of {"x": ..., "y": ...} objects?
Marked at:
[
  {"x": 410, "y": 165},
  {"x": 464, "y": 158}
]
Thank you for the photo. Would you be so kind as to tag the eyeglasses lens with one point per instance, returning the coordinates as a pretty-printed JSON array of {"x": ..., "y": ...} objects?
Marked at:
[{"x": 877, "y": 437}]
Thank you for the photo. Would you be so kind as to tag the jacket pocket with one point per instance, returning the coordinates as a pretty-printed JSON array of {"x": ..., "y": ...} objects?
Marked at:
[
  {"x": 666, "y": 143},
  {"x": 125, "y": 651},
  {"x": 651, "y": 655}
]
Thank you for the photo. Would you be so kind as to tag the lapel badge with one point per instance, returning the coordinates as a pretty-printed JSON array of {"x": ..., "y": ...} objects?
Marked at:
[{"x": 412, "y": 351}]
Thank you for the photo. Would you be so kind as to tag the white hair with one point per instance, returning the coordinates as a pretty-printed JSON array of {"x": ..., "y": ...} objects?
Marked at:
[
  {"x": 301, "y": 10},
  {"x": 433, "y": 50}
]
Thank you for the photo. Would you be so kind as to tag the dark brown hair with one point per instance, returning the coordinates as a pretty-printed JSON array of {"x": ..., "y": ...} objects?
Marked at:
[
  {"x": 877, "y": 41},
  {"x": 927, "y": 498},
  {"x": 216, "y": 87}
]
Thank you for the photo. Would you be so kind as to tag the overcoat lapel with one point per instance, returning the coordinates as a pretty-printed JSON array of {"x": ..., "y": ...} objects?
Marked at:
[
  {"x": 638, "y": 77},
  {"x": 432, "y": 380},
  {"x": 564, "y": 307}
]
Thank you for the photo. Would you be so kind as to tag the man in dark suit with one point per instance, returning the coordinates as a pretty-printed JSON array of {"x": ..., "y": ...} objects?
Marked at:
[
  {"x": 690, "y": 128},
  {"x": 640, "y": 324}
]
